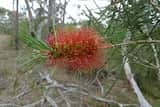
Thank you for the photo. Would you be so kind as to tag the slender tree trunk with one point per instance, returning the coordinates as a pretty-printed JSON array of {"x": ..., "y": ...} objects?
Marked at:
[
  {"x": 51, "y": 15},
  {"x": 17, "y": 26},
  {"x": 142, "y": 101},
  {"x": 40, "y": 27},
  {"x": 31, "y": 27},
  {"x": 64, "y": 12},
  {"x": 13, "y": 5}
]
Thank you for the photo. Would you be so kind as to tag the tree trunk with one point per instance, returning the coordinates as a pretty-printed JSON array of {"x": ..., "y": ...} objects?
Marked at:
[
  {"x": 51, "y": 15},
  {"x": 64, "y": 12},
  {"x": 17, "y": 26},
  {"x": 40, "y": 27},
  {"x": 31, "y": 27}
]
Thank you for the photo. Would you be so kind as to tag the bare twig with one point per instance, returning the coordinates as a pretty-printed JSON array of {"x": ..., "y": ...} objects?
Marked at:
[
  {"x": 64, "y": 98},
  {"x": 51, "y": 101},
  {"x": 143, "y": 62},
  {"x": 9, "y": 105},
  {"x": 156, "y": 57},
  {"x": 135, "y": 42},
  {"x": 101, "y": 86},
  {"x": 21, "y": 94},
  {"x": 97, "y": 5},
  {"x": 35, "y": 103}
]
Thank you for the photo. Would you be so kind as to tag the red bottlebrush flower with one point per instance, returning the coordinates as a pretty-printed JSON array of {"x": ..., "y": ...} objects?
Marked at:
[{"x": 78, "y": 49}]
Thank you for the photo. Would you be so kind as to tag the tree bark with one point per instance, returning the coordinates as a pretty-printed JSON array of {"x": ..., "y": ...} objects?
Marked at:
[
  {"x": 40, "y": 27},
  {"x": 51, "y": 15}
]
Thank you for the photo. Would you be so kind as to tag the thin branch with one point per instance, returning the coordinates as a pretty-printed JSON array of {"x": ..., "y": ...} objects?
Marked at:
[
  {"x": 145, "y": 31},
  {"x": 51, "y": 101},
  {"x": 101, "y": 86},
  {"x": 156, "y": 58},
  {"x": 110, "y": 88},
  {"x": 9, "y": 105},
  {"x": 64, "y": 98},
  {"x": 21, "y": 94},
  {"x": 97, "y": 5},
  {"x": 143, "y": 62},
  {"x": 132, "y": 43},
  {"x": 34, "y": 104}
]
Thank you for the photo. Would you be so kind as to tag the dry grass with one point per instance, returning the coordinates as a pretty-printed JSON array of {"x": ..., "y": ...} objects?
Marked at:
[{"x": 5, "y": 42}]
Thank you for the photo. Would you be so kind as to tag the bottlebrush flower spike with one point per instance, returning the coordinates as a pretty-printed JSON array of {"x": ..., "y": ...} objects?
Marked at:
[{"x": 78, "y": 49}]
